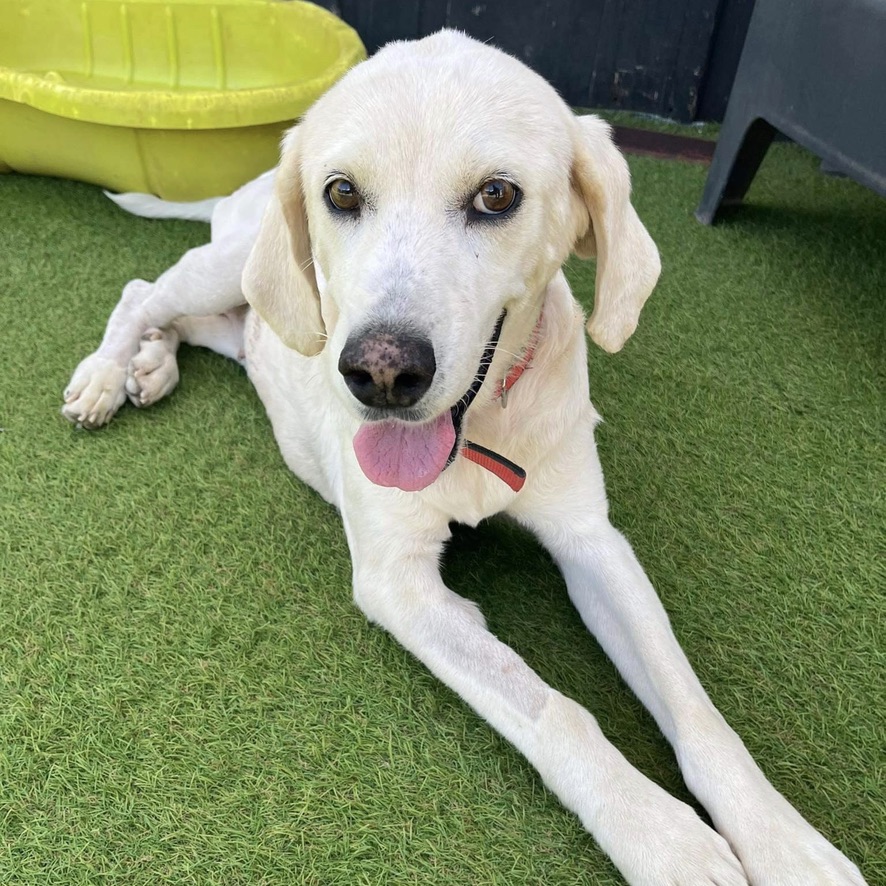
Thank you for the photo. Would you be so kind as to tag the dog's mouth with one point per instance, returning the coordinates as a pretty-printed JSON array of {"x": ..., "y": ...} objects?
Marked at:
[
  {"x": 406, "y": 455},
  {"x": 412, "y": 455}
]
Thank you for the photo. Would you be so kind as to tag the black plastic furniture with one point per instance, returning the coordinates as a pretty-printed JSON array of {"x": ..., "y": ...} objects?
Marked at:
[{"x": 814, "y": 70}]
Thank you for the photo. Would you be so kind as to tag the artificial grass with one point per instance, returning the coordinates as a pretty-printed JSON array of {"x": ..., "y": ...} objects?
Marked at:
[{"x": 187, "y": 695}]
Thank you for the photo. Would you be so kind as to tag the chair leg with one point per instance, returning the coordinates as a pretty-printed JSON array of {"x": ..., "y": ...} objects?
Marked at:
[{"x": 740, "y": 151}]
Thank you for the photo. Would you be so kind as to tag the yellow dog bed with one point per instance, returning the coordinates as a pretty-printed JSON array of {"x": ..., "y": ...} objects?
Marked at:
[{"x": 185, "y": 100}]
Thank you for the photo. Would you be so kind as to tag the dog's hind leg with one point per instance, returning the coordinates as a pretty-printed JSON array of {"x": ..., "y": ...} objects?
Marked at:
[
  {"x": 205, "y": 281},
  {"x": 153, "y": 371}
]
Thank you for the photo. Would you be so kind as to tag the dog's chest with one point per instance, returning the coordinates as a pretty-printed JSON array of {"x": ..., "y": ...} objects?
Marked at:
[{"x": 466, "y": 493}]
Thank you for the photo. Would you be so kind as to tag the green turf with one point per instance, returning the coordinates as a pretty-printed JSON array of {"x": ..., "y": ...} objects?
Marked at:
[{"x": 187, "y": 695}]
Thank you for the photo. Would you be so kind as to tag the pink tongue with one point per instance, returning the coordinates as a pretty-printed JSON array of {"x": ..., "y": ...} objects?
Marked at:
[{"x": 403, "y": 454}]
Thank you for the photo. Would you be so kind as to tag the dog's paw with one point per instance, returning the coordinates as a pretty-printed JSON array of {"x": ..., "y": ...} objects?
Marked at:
[
  {"x": 776, "y": 845},
  {"x": 684, "y": 850},
  {"x": 659, "y": 840},
  {"x": 153, "y": 371},
  {"x": 96, "y": 391},
  {"x": 785, "y": 850}
]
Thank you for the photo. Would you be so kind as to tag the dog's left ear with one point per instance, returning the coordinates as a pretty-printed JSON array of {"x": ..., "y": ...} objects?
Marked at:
[{"x": 627, "y": 259}]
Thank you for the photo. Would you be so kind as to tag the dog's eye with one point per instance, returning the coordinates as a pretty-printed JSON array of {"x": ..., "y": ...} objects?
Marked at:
[
  {"x": 495, "y": 197},
  {"x": 343, "y": 195}
]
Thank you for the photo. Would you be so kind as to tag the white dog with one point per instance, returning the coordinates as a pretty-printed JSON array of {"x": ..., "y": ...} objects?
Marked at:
[{"x": 422, "y": 360}]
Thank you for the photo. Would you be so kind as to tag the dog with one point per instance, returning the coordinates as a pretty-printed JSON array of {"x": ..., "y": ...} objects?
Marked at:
[{"x": 395, "y": 293}]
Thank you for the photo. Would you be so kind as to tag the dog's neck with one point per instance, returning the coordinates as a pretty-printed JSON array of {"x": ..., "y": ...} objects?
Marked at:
[
  {"x": 496, "y": 464},
  {"x": 517, "y": 369}
]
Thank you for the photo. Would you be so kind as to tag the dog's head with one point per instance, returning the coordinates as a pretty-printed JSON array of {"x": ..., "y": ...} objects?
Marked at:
[{"x": 436, "y": 186}]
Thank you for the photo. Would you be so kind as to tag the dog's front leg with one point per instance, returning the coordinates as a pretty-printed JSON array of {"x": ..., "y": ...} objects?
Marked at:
[
  {"x": 653, "y": 838},
  {"x": 565, "y": 506},
  {"x": 206, "y": 280}
]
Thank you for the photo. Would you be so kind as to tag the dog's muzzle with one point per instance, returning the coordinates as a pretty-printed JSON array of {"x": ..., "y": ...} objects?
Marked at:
[{"x": 392, "y": 371}]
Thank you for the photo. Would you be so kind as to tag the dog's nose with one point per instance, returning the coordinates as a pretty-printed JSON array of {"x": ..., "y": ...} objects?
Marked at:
[{"x": 387, "y": 370}]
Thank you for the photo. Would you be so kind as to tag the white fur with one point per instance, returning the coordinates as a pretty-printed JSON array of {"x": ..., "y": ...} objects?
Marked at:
[
  {"x": 419, "y": 127},
  {"x": 149, "y": 206}
]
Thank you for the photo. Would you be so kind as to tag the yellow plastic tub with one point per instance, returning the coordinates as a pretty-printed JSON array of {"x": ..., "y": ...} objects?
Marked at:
[{"x": 185, "y": 100}]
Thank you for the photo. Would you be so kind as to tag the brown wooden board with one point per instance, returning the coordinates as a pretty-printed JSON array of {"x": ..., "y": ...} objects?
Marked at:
[{"x": 663, "y": 145}]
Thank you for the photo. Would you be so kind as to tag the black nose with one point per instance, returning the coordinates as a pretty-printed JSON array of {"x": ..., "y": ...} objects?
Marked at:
[{"x": 387, "y": 370}]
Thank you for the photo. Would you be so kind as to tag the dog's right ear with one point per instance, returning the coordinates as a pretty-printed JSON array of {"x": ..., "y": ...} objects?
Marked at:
[{"x": 279, "y": 280}]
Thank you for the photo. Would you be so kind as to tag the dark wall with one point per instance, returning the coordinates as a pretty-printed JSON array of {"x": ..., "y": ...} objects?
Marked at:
[{"x": 652, "y": 56}]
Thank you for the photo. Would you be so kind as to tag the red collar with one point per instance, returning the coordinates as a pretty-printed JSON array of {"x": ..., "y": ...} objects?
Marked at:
[
  {"x": 504, "y": 468},
  {"x": 514, "y": 373}
]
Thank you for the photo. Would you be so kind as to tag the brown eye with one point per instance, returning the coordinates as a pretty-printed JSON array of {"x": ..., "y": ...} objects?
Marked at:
[
  {"x": 495, "y": 197},
  {"x": 343, "y": 195}
]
